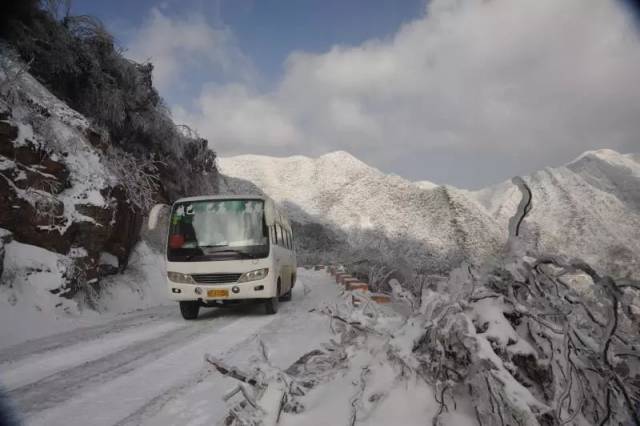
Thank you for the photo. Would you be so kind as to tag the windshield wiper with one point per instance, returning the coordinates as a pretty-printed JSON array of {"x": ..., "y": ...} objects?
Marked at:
[
  {"x": 191, "y": 256},
  {"x": 200, "y": 252},
  {"x": 249, "y": 255}
]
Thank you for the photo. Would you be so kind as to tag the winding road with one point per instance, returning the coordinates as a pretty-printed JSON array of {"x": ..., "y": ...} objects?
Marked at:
[{"x": 148, "y": 368}]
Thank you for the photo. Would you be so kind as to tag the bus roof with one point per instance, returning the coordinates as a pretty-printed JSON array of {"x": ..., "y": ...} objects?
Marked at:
[{"x": 223, "y": 197}]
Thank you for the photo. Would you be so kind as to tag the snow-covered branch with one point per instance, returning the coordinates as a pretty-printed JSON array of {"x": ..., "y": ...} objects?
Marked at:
[{"x": 139, "y": 177}]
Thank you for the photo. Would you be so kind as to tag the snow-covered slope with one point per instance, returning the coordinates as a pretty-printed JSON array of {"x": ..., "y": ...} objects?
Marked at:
[
  {"x": 589, "y": 208},
  {"x": 436, "y": 227},
  {"x": 425, "y": 184},
  {"x": 66, "y": 224}
]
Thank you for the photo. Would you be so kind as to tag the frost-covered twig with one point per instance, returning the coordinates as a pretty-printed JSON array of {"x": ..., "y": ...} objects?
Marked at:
[
  {"x": 12, "y": 68},
  {"x": 356, "y": 400},
  {"x": 139, "y": 177},
  {"x": 575, "y": 367}
]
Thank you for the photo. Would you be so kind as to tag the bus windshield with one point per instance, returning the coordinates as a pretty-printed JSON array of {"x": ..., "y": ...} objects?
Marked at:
[{"x": 217, "y": 230}]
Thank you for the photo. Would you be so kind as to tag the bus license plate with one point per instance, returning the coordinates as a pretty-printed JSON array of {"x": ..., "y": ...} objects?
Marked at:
[{"x": 218, "y": 293}]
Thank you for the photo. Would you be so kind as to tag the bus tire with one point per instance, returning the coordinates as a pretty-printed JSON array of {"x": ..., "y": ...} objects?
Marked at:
[
  {"x": 271, "y": 305},
  {"x": 189, "y": 309},
  {"x": 286, "y": 297}
]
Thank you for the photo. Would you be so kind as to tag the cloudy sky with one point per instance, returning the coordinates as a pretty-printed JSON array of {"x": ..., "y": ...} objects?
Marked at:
[{"x": 463, "y": 92}]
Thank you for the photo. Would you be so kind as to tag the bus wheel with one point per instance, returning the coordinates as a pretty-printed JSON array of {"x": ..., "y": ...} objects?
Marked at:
[
  {"x": 271, "y": 305},
  {"x": 189, "y": 309},
  {"x": 287, "y": 296}
]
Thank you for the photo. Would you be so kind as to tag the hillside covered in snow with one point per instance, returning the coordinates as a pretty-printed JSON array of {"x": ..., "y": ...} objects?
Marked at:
[
  {"x": 86, "y": 148},
  {"x": 589, "y": 208}
]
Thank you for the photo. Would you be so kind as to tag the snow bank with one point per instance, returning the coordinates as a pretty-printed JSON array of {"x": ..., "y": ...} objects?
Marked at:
[{"x": 29, "y": 309}]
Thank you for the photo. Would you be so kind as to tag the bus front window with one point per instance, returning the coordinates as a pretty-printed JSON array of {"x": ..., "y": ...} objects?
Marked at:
[{"x": 217, "y": 230}]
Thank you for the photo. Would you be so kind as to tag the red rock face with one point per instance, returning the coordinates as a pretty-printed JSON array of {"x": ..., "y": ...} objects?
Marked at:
[
  {"x": 23, "y": 180},
  {"x": 125, "y": 231},
  {"x": 30, "y": 183}
]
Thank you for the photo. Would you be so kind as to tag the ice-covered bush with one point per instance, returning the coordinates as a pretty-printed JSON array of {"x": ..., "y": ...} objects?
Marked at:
[
  {"x": 77, "y": 59},
  {"x": 533, "y": 341}
]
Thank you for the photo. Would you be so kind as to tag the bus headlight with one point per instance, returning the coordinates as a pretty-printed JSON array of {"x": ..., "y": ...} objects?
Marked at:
[
  {"x": 258, "y": 274},
  {"x": 181, "y": 278}
]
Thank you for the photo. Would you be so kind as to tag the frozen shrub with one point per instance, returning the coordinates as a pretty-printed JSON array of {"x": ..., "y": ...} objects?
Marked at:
[
  {"x": 138, "y": 177},
  {"x": 77, "y": 59}
]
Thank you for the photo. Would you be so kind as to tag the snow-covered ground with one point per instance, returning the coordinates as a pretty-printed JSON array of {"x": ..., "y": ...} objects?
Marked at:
[
  {"x": 28, "y": 310},
  {"x": 147, "y": 367}
]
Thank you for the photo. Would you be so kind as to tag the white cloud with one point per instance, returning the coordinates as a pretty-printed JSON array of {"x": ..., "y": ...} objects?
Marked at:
[
  {"x": 525, "y": 83},
  {"x": 178, "y": 45},
  {"x": 236, "y": 118}
]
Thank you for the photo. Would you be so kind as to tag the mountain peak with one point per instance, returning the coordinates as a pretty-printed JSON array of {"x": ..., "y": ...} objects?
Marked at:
[
  {"x": 425, "y": 184},
  {"x": 601, "y": 154},
  {"x": 337, "y": 154},
  {"x": 342, "y": 157}
]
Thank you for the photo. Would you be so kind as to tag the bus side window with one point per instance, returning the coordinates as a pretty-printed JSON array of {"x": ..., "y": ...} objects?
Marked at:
[
  {"x": 289, "y": 243},
  {"x": 278, "y": 235},
  {"x": 284, "y": 237},
  {"x": 274, "y": 237}
]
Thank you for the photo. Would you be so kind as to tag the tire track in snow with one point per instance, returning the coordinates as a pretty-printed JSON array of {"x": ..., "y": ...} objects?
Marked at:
[
  {"x": 85, "y": 334},
  {"x": 115, "y": 396},
  {"x": 70, "y": 382},
  {"x": 159, "y": 401},
  {"x": 295, "y": 310},
  {"x": 161, "y": 374},
  {"x": 19, "y": 373}
]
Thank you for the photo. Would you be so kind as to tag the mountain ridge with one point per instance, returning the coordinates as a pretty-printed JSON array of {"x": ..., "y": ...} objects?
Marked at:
[{"x": 585, "y": 208}]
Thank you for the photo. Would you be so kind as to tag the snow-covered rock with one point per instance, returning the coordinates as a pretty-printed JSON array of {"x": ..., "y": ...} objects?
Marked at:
[{"x": 57, "y": 194}]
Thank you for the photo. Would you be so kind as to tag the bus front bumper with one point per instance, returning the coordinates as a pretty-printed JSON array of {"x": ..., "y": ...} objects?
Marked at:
[{"x": 259, "y": 289}]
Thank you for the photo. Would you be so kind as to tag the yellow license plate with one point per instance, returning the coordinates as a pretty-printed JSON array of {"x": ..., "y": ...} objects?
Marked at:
[{"x": 218, "y": 293}]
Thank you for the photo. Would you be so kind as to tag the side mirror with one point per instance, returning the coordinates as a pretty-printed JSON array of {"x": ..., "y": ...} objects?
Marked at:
[{"x": 155, "y": 214}]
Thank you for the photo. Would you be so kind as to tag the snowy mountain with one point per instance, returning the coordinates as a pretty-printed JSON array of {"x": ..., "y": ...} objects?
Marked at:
[
  {"x": 589, "y": 208},
  {"x": 436, "y": 228},
  {"x": 69, "y": 217}
]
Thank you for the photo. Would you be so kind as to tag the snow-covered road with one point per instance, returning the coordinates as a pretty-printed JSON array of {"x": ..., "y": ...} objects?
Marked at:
[{"x": 147, "y": 367}]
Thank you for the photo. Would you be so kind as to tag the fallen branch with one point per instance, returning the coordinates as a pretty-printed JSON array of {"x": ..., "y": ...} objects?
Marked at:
[{"x": 232, "y": 371}]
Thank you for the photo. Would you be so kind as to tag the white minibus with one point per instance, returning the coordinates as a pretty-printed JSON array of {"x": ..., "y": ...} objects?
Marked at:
[{"x": 223, "y": 250}]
